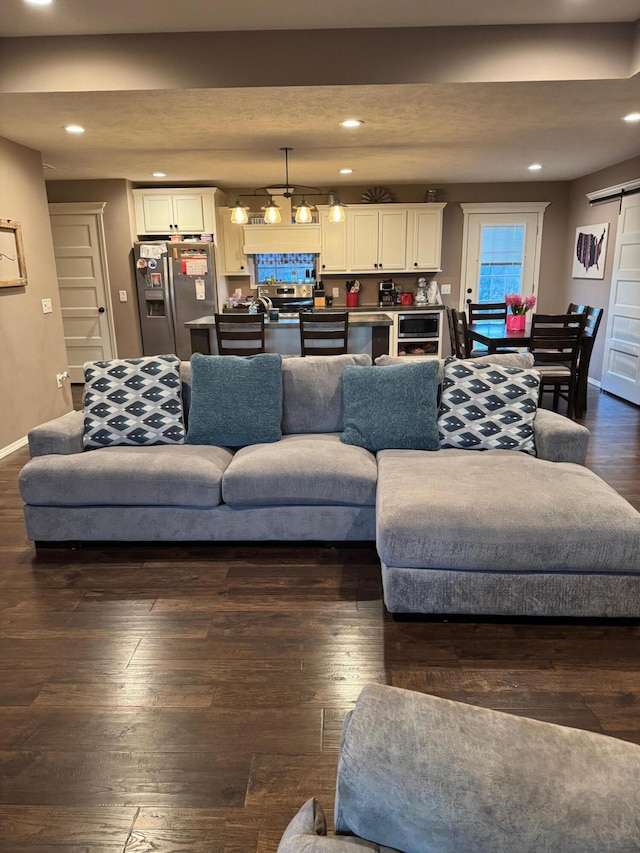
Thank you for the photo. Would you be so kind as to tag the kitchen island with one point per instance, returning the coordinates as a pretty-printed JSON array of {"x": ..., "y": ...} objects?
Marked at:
[{"x": 368, "y": 333}]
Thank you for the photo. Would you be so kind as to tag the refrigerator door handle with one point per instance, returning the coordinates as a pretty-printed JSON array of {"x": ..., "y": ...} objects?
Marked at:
[{"x": 171, "y": 302}]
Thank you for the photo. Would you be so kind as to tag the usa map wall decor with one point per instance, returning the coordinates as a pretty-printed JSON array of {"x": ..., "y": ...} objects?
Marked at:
[{"x": 590, "y": 251}]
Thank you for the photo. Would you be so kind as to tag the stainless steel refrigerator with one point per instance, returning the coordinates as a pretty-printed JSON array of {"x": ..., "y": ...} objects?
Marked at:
[{"x": 176, "y": 282}]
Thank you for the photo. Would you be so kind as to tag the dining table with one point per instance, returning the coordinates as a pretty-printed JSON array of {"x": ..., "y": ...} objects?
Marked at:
[{"x": 495, "y": 335}]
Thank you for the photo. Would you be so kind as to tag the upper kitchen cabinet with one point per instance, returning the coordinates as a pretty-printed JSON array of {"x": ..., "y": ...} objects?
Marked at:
[
  {"x": 234, "y": 260},
  {"x": 184, "y": 211},
  {"x": 333, "y": 250},
  {"x": 424, "y": 236},
  {"x": 377, "y": 238}
]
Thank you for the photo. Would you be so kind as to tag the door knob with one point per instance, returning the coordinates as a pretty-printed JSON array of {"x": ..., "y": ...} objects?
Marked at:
[
  {"x": 469, "y": 290},
  {"x": 101, "y": 310}
]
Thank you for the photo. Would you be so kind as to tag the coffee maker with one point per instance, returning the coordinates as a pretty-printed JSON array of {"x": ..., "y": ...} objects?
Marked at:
[{"x": 387, "y": 293}]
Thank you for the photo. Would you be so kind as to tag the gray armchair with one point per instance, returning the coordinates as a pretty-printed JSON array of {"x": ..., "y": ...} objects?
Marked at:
[{"x": 419, "y": 774}]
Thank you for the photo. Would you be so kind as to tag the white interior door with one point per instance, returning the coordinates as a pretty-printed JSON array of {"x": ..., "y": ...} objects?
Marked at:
[
  {"x": 621, "y": 366},
  {"x": 501, "y": 251},
  {"x": 78, "y": 243}
]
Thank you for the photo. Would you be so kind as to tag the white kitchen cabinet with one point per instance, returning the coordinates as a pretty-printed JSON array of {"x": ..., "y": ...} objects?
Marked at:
[
  {"x": 188, "y": 211},
  {"x": 383, "y": 238},
  {"x": 376, "y": 238},
  {"x": 333, "y": 249},
  {"x": 234, "y": 260},
  {"x": 424, "y": 236}
]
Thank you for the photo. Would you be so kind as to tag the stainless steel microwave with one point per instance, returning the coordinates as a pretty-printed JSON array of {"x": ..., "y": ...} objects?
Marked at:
[{"x": 417, "y": 324}]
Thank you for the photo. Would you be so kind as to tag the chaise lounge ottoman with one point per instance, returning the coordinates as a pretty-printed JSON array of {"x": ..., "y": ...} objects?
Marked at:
[{"x": 503, "y": 533}]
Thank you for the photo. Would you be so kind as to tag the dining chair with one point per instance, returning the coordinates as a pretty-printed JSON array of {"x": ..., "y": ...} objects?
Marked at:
[
  {"x": 324, "y": 334},
  {"x": 591, "y": 326},
  {"x": 481, "y": 312},
  {"x": 555, "y": 345},
  {"x": 461, "y": 334},
  {"x": 576, "y": 309},
  {"x": 240, "y": 334},
  {"x": 452, "y": 330}
]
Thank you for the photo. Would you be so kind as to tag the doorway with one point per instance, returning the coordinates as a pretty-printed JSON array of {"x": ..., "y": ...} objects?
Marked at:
[
  {"x": 500, "y": 251},
  {"x": 621, "y": 363},
  {"x": 83, "y": 282}
]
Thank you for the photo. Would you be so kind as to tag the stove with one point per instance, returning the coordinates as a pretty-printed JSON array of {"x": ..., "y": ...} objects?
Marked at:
[{"x": 290, "y": 299}]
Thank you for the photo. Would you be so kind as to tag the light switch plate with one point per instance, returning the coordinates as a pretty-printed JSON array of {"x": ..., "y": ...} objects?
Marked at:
[
  {"x": 123, "y": 295},
  {"x": 336, "y": 292},
  {"x": 445, "y": 289},
  {"x": 47, "y": 306}
]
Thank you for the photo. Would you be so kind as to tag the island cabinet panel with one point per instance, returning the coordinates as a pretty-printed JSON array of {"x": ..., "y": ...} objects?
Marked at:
[
  {"x": 333, "y": 251},
  {"x": 234, "y": 260},
  {"x": 189, "y": 211}
]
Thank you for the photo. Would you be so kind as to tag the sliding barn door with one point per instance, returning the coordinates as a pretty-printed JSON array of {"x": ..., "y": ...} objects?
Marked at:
[{"x": 621, "y": 366}]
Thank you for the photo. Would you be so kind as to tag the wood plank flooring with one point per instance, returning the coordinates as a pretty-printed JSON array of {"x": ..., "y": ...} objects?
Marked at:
[{"x": 190, "y": 699}]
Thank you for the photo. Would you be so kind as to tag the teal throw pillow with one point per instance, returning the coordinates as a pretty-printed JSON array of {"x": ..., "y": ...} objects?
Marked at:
[
  {"x": 392, "y": 407},
  {"x": 235, "y": 400}
]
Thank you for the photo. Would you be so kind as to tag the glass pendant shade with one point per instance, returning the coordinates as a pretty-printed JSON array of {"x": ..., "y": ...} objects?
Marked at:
[
  {"x": 272, "y": 213},
  {"x": 336, "y": 211},
  {"x": 239, "y": 214},
  {"x": 304, "y": 213}
]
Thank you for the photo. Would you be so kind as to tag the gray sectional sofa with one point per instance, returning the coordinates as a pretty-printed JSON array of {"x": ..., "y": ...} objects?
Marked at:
[
  {"x": 417, "y": 773},
  {"x": 457, "y": 531}
]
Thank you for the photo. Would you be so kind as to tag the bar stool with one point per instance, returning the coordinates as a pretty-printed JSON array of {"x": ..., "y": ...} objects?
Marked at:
[
  {"x": 240, "y": 334},
  {"x": 318, "y": 328}
]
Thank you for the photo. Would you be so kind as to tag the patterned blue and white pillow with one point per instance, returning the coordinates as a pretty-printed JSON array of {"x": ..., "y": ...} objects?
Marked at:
[
  {"x": 134, "y": 401},
  {"x": 488, "y": 406}
]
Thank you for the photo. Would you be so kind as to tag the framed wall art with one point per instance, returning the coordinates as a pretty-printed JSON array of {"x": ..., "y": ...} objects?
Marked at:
[
  {"x": 13, "y": 270},
  {"x": 590, "y": 251}
]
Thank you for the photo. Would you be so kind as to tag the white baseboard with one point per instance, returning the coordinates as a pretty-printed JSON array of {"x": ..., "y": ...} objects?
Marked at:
[
  {"x": 595, "y": 382},
  {"x": 11, "y": 448}
]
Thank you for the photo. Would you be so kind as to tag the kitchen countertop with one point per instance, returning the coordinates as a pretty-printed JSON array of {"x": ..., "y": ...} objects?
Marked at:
[
  {"x": 393, "y": 309},
  {"x": 367, "y": 317}
]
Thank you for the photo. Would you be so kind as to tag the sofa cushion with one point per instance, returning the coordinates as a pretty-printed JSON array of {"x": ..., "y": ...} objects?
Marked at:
[
  {"x": 500, "y": 511},
  {"x": 133, "y": 401},
  {"x": 235, "y": 400},
  {"x": 301, "y": 469},
  {"x": 127, "y": 476},
  {"x": 506, "y": 359},
  {"x": 485, "y": 406},
  {"x": 393, "y": 406},
  {"x": 312, "y": 389}
]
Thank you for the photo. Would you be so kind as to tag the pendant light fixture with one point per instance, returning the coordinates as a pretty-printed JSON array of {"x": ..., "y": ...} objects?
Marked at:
[
  {"x": 239, "y": 215},
  {"x": 336, "y": 210},
  {"x": 303, "y": 211},
  {"x": 271, "y": 213}
]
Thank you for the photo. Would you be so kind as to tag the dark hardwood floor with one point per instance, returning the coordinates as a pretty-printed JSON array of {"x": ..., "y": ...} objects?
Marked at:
[{"x": 189, "y": 699}]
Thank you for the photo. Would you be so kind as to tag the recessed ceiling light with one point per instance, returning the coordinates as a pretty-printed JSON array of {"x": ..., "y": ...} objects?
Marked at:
[
  {"x": 74, "y": 128},
  {"x": 346, "y": 171},
  {"x": 632, "y": 117},
  {"x": 159, "y": 174},
  {"x": 535, "y": 167},
  {"x": 351, "y": 122},
  {"x": 39, "y": 2}
]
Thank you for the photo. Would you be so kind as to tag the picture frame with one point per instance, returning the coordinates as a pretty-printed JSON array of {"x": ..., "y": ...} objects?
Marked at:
[
  {"x": 590, "y": 251},
  {"x": 13, "y": 269}
]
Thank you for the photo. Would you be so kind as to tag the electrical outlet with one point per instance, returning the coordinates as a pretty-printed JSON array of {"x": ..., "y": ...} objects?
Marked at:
[
  {"x": 123, "y": 295},
  {"x": 62, "y": 378},
  {"x": 47, "y": 306},
  {"x": 336, "y": 292},
  {"x": 445, "y": 289}
]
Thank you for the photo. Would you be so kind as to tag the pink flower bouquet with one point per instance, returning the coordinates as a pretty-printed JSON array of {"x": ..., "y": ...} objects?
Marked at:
[{"x": 519, "y": 304}]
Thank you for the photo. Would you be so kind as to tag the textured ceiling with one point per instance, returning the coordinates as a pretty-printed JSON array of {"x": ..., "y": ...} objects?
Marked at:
[
  {"x": 77, "y": 17},
  {"x": 424, "y": 133}
]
